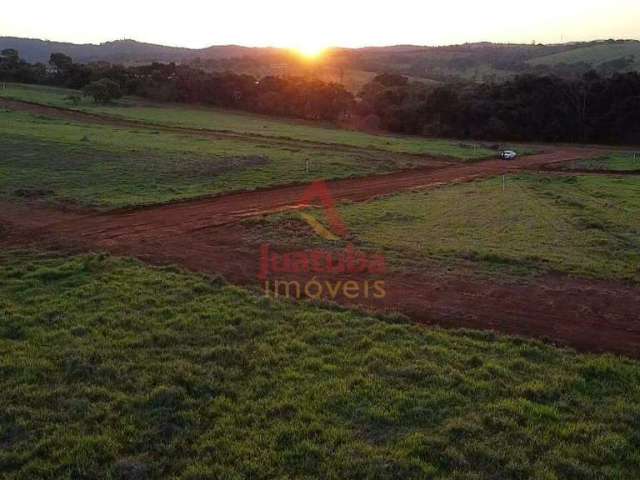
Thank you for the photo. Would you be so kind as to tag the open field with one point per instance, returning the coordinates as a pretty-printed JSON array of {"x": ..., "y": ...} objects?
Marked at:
[
  {"x": 594, "y": 55},
  {"x": 247, "y": 124},
  {"x": 120, "y": 370},
  {"x": 578, "y": 225},
  {"x": 618, "y": 162},
  {"x": 125, "y": 355},
  {"x": 104, "y": 166},
  {"x": 209, "y": 236}
]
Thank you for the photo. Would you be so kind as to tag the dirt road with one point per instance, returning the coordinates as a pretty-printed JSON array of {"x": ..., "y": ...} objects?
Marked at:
[
  {"x": 207, "y": 236},
  {"x": 187, "y": 217}
]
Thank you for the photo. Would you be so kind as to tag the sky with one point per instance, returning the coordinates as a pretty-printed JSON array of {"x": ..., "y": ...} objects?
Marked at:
[{"x": 312, "y": 25}]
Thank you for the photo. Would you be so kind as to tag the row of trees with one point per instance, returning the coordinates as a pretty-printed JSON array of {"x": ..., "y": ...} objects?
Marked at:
[
  {"x": 592, "y": 108},
  {"x": 291, "y": 96}
]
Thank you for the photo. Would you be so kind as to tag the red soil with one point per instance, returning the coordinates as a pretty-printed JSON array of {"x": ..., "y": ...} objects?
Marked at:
[{"x": 206, "y": 236}]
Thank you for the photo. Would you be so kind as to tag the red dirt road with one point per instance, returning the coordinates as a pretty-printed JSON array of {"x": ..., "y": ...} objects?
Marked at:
[
  {"x": 206, "y": 236},
  {"x": 185, "y": 218}
]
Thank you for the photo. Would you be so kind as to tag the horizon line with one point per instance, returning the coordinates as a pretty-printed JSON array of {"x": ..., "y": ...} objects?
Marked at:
[{"x": 338, "y": 47}]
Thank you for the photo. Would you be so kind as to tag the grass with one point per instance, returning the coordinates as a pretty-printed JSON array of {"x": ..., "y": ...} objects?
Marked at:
[
  {"x": 110, "y": 369},
  {"x": 587, "y": 226},
  {"x": 106, "y": 167},
  {"x": 619, "y": 162},
  {"x": 248, "y": 124},
  {"x": 593, "y": 55},
  {"x": 354, "y": 80}
]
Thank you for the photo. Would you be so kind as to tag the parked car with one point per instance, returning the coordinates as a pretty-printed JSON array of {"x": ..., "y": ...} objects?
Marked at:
[{"x": 508, "y": 155}]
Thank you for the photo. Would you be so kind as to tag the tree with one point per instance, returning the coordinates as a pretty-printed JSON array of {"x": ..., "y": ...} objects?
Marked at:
[
  {"x": 9, "y": 56},
  {"x": 103, "y": 91},
  {"x": 60, "y": 61},
  {"x": 391, "y": 80}
]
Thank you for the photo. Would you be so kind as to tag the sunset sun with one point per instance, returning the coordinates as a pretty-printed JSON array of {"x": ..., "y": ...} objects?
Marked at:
[{"x": 310, "y": 50}]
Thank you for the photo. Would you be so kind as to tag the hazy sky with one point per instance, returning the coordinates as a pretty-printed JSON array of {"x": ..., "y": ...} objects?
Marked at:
[{"x": 314, "y": 24}]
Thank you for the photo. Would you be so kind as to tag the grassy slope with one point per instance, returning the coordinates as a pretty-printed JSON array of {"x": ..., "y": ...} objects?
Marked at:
[
  {"x": 580, "y": 225},
  {"x": 113, "y": 167},
  {"x": 110, "y": 369},
  {"x": 214, "y": 119},
  {"x": 594, "y": 55},
  {"x": 354, "y": 80},
  {"x": 620, "y": 162}
]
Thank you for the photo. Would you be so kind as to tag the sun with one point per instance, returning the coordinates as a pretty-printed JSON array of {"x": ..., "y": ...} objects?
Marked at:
[{"x": 310, "y": 51}]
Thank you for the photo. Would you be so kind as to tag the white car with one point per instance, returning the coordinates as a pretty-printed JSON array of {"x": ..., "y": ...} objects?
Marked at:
[{"x": 508, "y": 155}]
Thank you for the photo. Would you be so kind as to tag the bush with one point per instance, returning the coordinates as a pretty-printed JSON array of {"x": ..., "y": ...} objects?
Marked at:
[
  {"x": 74, "y": 100},
  {"x": 103, "y": 91}
]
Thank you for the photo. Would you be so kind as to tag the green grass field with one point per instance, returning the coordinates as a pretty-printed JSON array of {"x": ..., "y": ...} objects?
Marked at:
[
  {"x": 110, "y": 369},
  {"x": 248, "y": 124},
  {"x": 113, "y": 369},
  {"x": 105, "y": 167},
  {"x": 621, "y": 162},
  {"x": 593, "y": 55},
  {"x": 588, "y": 226}
]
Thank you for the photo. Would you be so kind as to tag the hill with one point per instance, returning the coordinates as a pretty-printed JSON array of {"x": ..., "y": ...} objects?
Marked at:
[
  {"x": 473, "y": 61},
  {"x": 489, "y": 61},
  {"x": 119, "y": 51},
  {"x": 594, "y": 54}
]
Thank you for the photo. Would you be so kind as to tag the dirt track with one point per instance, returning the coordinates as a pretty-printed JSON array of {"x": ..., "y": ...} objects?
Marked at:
[
  {"x": 188, "y": 217},
  {"x": 206, "y": 236}
]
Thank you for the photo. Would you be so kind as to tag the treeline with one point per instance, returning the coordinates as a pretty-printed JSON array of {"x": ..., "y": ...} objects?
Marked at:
[
  {"x": 491, "y": 62},
  {"x": 291, "y": 96},
  {"x": 591, "y": 109}
]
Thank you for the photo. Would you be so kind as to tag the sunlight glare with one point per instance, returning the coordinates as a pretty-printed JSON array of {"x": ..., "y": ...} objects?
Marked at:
[{"x": 310, "y": 51}]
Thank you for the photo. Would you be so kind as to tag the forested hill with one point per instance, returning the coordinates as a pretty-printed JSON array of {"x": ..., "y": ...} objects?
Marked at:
[
  {"x": 474, "y": 61},
  {"x": 119, "y": 51}
]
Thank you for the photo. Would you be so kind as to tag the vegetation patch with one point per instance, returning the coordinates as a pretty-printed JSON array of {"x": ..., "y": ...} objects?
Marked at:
[
  {"x": 618, "y": 162},
  {"x": 106, "y": 167},
  {"x": 583, "y": 225},
  {"x": 111, "y": 369},
  {"x": 227, "y": 164},
  {"x": 248, "y": 124}
]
